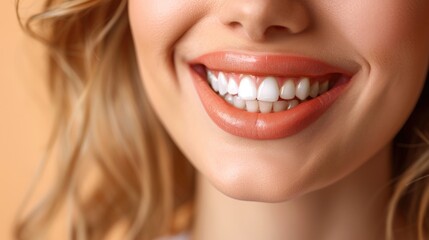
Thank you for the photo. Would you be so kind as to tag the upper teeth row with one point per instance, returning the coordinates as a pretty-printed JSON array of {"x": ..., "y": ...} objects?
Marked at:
[{"x": 268, "y": 90}]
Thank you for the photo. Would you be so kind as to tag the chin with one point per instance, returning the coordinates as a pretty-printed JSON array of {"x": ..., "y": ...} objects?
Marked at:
[
  {"x": 241, "y": 188},
  {"x": 257, "y": 180}
]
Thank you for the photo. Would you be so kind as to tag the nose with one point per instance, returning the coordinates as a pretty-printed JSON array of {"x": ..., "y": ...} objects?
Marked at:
[{"x": 260, "y": 19}]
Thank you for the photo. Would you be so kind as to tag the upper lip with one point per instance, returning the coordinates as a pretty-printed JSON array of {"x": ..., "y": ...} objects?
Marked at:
[{"x": 268, "y": 64}]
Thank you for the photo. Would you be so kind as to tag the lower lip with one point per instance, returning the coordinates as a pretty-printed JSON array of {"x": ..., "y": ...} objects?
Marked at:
[{"x": 263, "y": 126}]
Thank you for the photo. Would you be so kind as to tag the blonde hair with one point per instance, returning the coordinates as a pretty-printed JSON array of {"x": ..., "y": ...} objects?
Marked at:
[{"x": 105, "y": 123}]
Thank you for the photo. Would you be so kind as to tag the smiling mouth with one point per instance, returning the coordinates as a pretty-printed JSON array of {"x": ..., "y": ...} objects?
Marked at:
[{"x": 266, "y": 96}]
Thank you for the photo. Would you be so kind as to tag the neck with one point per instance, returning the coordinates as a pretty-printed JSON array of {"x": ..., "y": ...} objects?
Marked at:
[{"x": 352, "y": 208}]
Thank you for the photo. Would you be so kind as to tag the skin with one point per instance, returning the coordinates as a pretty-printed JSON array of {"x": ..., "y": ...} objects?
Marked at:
[{"x": 340, "y": 162}]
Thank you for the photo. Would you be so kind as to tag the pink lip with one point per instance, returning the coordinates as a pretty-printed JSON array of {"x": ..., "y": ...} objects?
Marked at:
[
  {"x": 273, "y": 65},
  {"x": 272, "y": 125}
]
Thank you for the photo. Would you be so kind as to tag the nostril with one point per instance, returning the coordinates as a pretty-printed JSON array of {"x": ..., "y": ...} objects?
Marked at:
[
  {"x": 279, "y": 28},
  {"x": 235, "y": 24},
  {"x": 276, "y": 29},
  {"x": 247, "y": 30}
]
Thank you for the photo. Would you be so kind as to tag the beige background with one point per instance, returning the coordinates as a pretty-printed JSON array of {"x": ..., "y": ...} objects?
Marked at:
[
  {"x": 24, "y": 114},
  {"x": 25, "y": 123}
]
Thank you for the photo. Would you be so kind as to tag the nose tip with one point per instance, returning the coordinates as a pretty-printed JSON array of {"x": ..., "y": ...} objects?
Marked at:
[{"x": 260, "y": 19}]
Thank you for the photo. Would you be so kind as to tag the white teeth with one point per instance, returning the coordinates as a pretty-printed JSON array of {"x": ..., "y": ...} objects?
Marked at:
[
  {"x": 324, "y": 87},
  {"x": 222, "y": 83},
  {"x": 268, "y": 90},
  {"x": 280, "y": 106},
  {"x": 252, "y": 106},
  {"x": 292, "y": 104},
  {"x": 303, "y": 88},
  {"x": 210, "y": 77},
  {"x": 314, "y": 90},
  {"x": 239, "y": 103},
  {"x": 229, "y": 98},
  {"x": 287, "y": 91},
  {"x": 265, "y": 107},
  {"x": 213, "y": 81},
  {"x": 247, "y": 89},
  {"x": 267, "y": 97},
  {"x": 232, "y": 86}
]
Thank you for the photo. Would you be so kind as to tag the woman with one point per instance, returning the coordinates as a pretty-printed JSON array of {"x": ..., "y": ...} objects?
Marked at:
[{"x": 303, "y": 119}]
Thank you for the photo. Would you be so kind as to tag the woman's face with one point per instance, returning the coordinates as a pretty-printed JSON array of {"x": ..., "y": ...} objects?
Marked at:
[{"x": 267, "y": 56}]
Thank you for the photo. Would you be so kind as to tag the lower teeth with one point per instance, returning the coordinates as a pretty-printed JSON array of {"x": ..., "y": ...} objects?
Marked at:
[{"x": 257, "y": 106}]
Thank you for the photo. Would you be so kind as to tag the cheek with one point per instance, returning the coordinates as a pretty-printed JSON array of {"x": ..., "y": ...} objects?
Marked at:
[
  {"x": 158, "y": 24},
  {"x": 391, "y": 39},
  {"x": 383, "y": 30}
]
